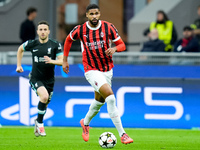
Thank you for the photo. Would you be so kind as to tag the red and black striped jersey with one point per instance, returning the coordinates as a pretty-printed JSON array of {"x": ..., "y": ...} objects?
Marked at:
[{"x": 94, "y": 43}]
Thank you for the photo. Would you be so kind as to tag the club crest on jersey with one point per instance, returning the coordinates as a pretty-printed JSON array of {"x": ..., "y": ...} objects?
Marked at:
[
  {"x": 49, "y": 51},
  {"x": 96, "y": 83},
  {"x": 102, "y": 34},
  {"x": 36, "y": 85}
]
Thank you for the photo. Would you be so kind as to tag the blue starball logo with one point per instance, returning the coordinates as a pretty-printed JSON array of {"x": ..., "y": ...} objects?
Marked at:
[{"x": 26, "y": 110}]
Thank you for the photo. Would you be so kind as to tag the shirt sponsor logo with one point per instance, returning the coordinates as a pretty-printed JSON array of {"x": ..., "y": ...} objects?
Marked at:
[
  {"x": 39, "y": 59},
  {"x": 95, "y": 45},
  {"x": 35, "y": 59}
]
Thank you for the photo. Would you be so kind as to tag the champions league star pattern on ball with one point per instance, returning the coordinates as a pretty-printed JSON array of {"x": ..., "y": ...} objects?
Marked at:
[{"x": 107, "y": 140}]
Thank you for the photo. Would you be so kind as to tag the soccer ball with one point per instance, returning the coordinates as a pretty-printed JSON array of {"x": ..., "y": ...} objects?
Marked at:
[{"x": 107, "y": 140}]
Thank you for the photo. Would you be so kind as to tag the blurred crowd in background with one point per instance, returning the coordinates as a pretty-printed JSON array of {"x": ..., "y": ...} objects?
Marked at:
[{"x": 161, "y": 34}]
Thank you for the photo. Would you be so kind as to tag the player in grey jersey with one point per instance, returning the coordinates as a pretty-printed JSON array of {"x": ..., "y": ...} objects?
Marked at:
[{"x": 46, "y": 53}]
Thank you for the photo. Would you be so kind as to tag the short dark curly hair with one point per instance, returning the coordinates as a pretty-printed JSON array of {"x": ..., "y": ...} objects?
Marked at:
[{"x": 92, "y": 6}]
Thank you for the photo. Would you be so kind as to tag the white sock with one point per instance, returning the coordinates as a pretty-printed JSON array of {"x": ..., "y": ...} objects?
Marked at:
[
  {"x": 93, "y": 110},
  {"x": 114, "y": 114}
]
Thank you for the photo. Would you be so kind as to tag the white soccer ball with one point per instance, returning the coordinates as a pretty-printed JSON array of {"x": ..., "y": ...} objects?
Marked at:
[{"x": 107, "y": 140}]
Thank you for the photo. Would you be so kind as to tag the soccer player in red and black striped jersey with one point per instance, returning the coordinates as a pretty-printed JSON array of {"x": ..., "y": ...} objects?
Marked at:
[{"x": 96, "y": 37}]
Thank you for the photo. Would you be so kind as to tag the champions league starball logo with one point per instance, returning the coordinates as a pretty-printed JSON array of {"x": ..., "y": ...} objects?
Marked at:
[{"x": 26, "y": 110}]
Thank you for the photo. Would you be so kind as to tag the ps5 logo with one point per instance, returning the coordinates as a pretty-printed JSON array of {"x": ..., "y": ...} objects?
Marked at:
[
  {"x": 120, "y": 96},
  {"x": 26, "y": 110}
]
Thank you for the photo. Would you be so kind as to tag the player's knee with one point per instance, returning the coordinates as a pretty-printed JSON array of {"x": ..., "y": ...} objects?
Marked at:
[
  {"x": 99, "y": 98},
  {"x": 105, "y": 90},
  {"x": 110, "y": 100},
  {"x": 111, "y": 105},
  {"x": 44, "y": 98}
]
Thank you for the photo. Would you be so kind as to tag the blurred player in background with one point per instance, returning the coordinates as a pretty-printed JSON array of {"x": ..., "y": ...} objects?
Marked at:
[
  {"x": 44, "y": 53},
  {"x": 95, "y": 36},
  {"x": 196, "y": 25},
  {"x": 27, "y": 28}
]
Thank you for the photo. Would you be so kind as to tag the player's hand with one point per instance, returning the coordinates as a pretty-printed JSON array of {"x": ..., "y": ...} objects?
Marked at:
[
  {"x": 65, "y": 67},
  {"x": 110, "y": 51},
  {"x": 47, "y": 60},
  {"x": 19, "y": 69}
]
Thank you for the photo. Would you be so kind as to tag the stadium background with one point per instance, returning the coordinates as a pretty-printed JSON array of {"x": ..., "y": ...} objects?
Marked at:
[{"x": 148, "y": 96}]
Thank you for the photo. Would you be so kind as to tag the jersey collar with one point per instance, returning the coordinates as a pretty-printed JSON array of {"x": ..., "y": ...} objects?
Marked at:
[{"x": 91, "y": 28}]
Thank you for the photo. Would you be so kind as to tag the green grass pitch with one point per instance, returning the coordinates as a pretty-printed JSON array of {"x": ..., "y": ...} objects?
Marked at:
[{"x": 69, "y": 138}]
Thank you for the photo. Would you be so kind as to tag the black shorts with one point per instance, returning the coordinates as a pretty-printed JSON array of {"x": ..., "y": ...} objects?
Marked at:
[{"x": 35, "y": 84}]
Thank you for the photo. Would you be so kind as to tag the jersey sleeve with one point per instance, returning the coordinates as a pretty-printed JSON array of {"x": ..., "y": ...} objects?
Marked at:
[
  {"x": 120, "y": 45},
  {"x": 67, "y": 45},
  {"x": 74, "y": 34},
  {"x": 59, "y": 50},
  {"x": 114, "y": 36},
  {"x": 27, "y": 45}
]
